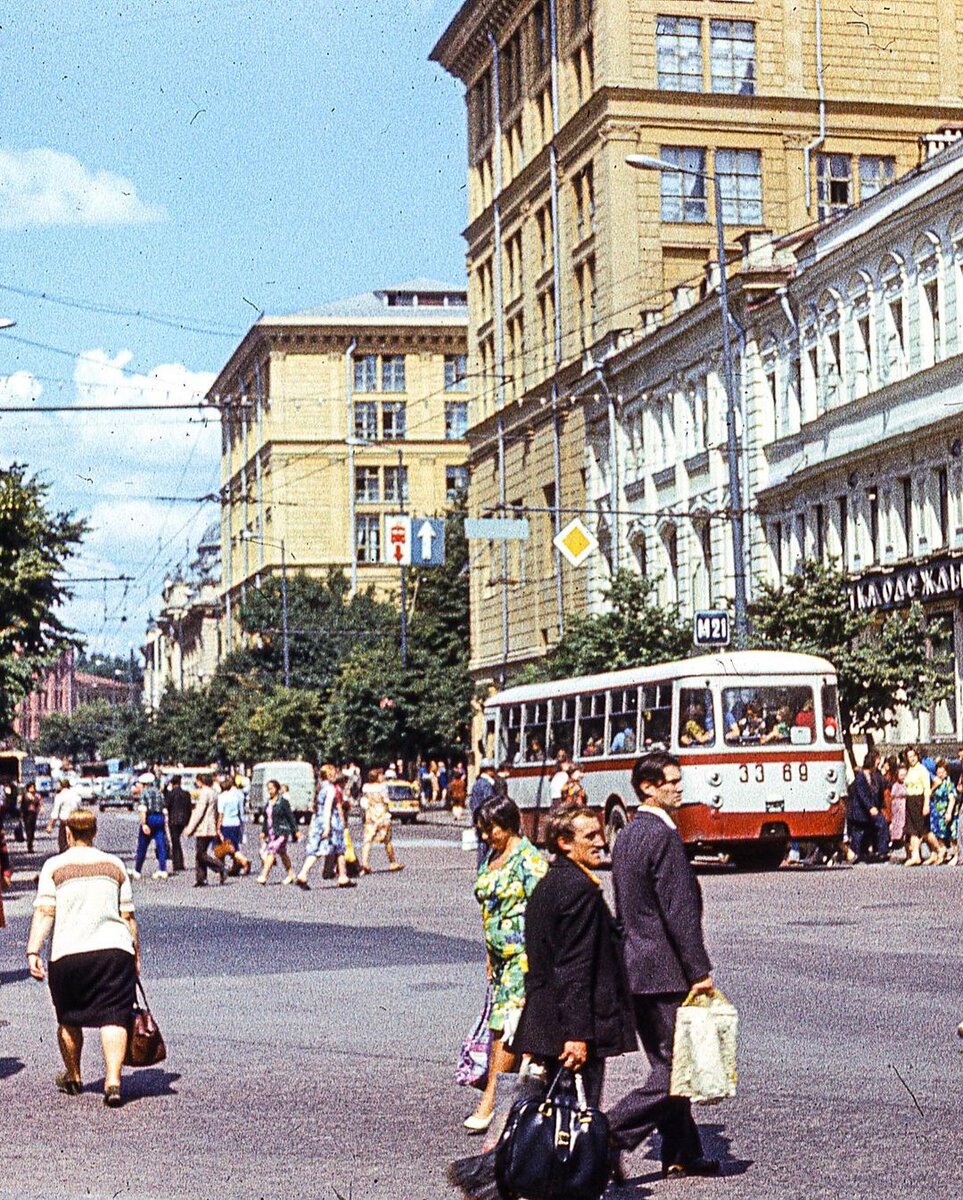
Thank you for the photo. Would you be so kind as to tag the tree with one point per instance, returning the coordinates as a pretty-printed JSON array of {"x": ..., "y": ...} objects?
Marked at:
[
  {"x": 881, "y": 663},
  {"x": 95, "y": 731},
  {"x": 277, "y": 723},
  {"x": 185, "y": 728},
  {"x": 634, "y": 632},
  {"x": 34, "y": 545}
]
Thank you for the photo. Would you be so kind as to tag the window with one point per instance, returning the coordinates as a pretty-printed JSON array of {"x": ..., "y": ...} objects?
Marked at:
[
  {"x": 393, "y": 373},
  {"x": 581, "y": 11},
  {"x": 483, "y": 107},
  {"x": 656, "y": 715},
  {"x": 366, "y": 484},
  {"x": 456, "y": 372},
  {"x": 733, "y": 57},
  {"x": 931, "y": 328},
  {"x": 563, "y": 726},
  {"x": 545, "y": 247},
  {"x": 536, "y": 719},
  {"x": 872, "y": 523},
  {"x": 895, "y": 338},
  {"x": 586, "y": 301},
  {"x": 513, "y": 265},
  {"x": 396, "y": 484},
  {"x": 583, "y": 189},
  {"x": 862, "y": 378},
  {"x": 591, "y": 725},
  {"x": 764, "y": 715},
  {"x": 830, "y": 701},
  {"x": 678, "y": 50},
  {"x": 696, "y": 718},
  {"x": 367, "y": 538},
  {"x": 456, "y": 482},
  {"x": 511, "y": 69},
  {"x": 906, "y": 483},
  {"x": 624, "y": 721},
  {"x": 819, "y": 533},
  {"x": 683, "y": 192},
  {"x": 943, "y": 505},
  {"x": 843, "y": 503},
  {"x": 875, "y": 172},
  {"x": 510, "y": 735},
  {"x": 583, "y": 71},
  {"x": 543, "y": 34},
  {"x": 366, "y": 373},
  {"x": 776, "y": 547},
  {"x": 740, "y": 182},
  {"x": 456, "y": 419},
  {"x": 834, "y": 184},
  {"x": 366, "y": 420},
  {"x": 393, "y": 419}
]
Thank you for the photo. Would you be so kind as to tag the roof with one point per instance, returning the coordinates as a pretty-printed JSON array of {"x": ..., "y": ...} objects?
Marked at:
[
  {"x": 740, "y": 663},
  {"x": 412, "y": 301}
]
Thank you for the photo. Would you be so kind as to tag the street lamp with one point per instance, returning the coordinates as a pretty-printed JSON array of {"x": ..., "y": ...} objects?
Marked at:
[
  {"x": 646, "y": 162},
  {"x": 253, "y": 537}
]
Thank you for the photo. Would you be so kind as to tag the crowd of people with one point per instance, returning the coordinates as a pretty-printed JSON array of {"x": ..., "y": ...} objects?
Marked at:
[{"x": 571, "y": 987}]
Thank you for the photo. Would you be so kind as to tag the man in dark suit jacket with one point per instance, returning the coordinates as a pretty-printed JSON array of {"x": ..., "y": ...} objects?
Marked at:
[
  {"x": 659, "y": 905},
  {"x": 578, "y": 1010}
]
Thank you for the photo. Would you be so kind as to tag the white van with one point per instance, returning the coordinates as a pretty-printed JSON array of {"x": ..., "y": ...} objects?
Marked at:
[{"x": 299, "y": 776}]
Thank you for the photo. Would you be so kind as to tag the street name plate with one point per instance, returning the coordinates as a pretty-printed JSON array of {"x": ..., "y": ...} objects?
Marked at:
[
  {"x": 711, "y": 628},
  {"x": 496, "y": 529}
]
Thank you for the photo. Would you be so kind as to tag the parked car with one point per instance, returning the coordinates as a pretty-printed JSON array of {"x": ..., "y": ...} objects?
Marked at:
[
  {"x": 299, "y": 776},
  {"x": 404, "y": 800},
  {"x": 116, "y": 792}
]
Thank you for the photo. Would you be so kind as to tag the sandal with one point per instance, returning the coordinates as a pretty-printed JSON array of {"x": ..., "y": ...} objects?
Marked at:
[
  {"x": 347, "y": 883},
  {"x": 397, "y": 867},
  {"x": 69, "y": 1087},
  {"x": 112, "y": 1097}
]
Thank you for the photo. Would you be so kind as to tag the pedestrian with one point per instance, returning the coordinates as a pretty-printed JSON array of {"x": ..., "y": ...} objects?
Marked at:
[
  {"x": 178, "y": 816},
  {"x": 84, "y": 899},
  {"x": 897, "y": 802},
  {"x": 153, "y": 828},
  {"x": 917, "y": 785},
  {"x": 202, "y": 827},
  {"x": 377, "y": 821},
  {"x": 943, "y": 814},
  {"x": 230, "y": 823},
  {"x": 279, "y": 828},
  {"x": 505, "y": 880},
  {"x": 29, "y": 813},
  {"x": 326, "y": 834},
  {"x": 482, "y": 790},
  {"x": 559, "y": 779},
  {"x": 573, "y": 793},
  {"x": 659, "y": 905},
  {"x": 869, "y": 830},
  {"x": 458, "y": 789},
  {"x": 430, "y": 787},
  {"x": 66, "y": 800},
  {"x": 578, "y": 1008}
]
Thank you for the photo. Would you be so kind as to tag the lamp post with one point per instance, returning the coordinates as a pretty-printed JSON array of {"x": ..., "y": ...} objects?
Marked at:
[
  {"x": 253, "y": 537},
  {"x": 646, "y": 162}
]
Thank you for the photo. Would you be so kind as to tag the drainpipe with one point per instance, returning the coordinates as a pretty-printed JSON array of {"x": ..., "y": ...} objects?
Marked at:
[
  {"x": 501, "y": 508},
  {"x": 245, "y": 479},
  {"x": 557, "y": 515},
  {"x": 553, "y": 196},
  {"x": 259, "y": 473},
  {"x": 821, "y": 90},
  {"x": 744, "y": 411},
  {"x": 499, "y": 297},
  {"x": 227, "y": 551},
  {"x": 349, "y": 428}
]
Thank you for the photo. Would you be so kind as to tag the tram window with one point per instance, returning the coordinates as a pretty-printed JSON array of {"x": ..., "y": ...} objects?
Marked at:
[
  {"x": 536, "y": 719},
  {"x": 768, "y": 715},
  {"x": 696, "y": 718},
  {"x": 830, "y": 712},
  {"x": 563, "y": 726},
  {"x": 624, "y": 721},
  {"x": 510, "y": 734},
  {"x": 591, "y": 724},
  {"x": 656, "y": 714}
]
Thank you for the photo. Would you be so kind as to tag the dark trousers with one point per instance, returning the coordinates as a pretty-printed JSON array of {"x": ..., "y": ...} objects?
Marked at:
[
  {"x": 203, "y": 859},
  {"x": 177, "y": 850},
  {"x": 875, "y": 834},
  {"x": 29, "y": 827},
  {"x": 650, "y": 1106}
]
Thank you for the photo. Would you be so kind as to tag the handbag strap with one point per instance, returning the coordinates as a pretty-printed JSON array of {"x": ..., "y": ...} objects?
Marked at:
[
  {"x": 580, "y": 1096},
  {"x": 143, "y": 995}
]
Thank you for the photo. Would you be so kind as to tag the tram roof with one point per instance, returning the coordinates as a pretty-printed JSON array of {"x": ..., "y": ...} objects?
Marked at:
[{"x": 743, "y": 663}]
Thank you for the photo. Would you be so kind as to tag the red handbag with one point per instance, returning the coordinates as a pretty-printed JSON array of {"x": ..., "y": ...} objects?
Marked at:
[{"x": 145, "y": 1042}]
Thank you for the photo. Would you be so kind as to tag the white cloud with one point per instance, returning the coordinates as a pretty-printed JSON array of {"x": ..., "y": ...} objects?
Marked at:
[{"x": 47, "y": 187}]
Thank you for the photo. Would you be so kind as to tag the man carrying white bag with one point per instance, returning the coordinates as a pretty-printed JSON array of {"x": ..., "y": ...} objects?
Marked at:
[{"x": 704, "y": 1049}]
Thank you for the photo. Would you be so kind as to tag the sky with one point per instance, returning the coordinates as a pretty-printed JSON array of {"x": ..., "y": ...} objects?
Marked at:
[{"x": 169, "y": 170}]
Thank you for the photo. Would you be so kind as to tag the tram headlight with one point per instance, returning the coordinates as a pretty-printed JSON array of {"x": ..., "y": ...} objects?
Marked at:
[
  {"x": 831, "y": 775},
  {"x": 715, "y": 779},
  {"x": 716, "y": 800},
  {"x": 833, "y": 798}
]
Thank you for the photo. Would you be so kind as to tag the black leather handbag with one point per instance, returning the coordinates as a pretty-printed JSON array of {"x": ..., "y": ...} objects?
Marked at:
[{"x": 554, "y": 1148}]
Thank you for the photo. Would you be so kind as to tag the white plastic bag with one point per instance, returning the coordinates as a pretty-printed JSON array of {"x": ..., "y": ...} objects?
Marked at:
[{"x": 704, "y": 1049}]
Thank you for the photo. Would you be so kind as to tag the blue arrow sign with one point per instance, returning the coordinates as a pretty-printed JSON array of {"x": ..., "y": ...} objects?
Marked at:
[{"x": 427, "y": 541}]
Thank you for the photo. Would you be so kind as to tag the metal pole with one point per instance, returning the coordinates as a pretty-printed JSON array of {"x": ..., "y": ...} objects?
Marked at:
[
  {"x": 404, "y": 574},
  {"x": 284, "y": 618},
  {"x": 349, "y": 437},
  {"x": 732, "y": 442}
]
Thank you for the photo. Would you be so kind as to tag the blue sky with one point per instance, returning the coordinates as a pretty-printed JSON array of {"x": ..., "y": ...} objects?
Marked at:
[{"x": 197, "y": 162}]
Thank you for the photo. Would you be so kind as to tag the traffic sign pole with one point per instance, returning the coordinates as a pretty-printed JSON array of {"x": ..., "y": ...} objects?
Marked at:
[{"x": 404, "y": 573}]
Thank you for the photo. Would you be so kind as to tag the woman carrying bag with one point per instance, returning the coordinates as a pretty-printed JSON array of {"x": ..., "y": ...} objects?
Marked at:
[{"x": 279, "y": 825}]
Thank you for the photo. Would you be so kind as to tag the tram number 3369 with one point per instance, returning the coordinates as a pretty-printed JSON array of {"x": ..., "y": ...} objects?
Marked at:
[{"x": 755, "y": 773}]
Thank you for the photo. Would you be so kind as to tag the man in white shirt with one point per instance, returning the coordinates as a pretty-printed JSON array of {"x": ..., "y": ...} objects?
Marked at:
[
  {"x": 559, "y": 779},
  {"x": 67, "y": 799}
]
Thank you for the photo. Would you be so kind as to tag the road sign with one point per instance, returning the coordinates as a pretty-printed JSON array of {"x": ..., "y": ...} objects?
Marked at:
[
  {"x": 428, "y": 541},
  {"x": 496, "y": 529},
  {"x": 398, "y": 540},
  {"x": 712, "y": 628},
  {"x": 576, "y": 541}
]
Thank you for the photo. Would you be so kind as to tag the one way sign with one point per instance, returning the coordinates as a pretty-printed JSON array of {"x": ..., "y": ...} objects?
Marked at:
[{"x": 427, "y": 541}]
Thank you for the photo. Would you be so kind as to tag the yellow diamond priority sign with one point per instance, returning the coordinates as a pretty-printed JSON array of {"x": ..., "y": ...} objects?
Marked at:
[{"x": 576, "y": 541}]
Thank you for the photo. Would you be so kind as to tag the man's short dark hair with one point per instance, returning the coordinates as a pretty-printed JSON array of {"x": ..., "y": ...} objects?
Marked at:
[
  {"x": 175, "y": 781},
  {"x": 650, "y": 769},
  {"x": 561, "y": 824},
  {"x": 501, "y": 811}
]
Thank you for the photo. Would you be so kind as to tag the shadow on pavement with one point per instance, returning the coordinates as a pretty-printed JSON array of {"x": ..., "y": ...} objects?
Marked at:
[
  {"x": 251, "y": 945},
  {"x": 14, "y": 976},
  {"x": 148, "y": 1082},
  {"x": 10, "y": 1066}
]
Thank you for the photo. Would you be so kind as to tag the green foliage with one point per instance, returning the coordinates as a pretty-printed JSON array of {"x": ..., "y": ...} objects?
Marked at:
[
  {"x": 34, "y": 546},
  {"x": 185, "y": 727},
  {"x": 276, "y": 723},
  {"x": 634, "y": 632},
  {"x": 95, "y": 731},
  {"x": 882, "y": 663}
]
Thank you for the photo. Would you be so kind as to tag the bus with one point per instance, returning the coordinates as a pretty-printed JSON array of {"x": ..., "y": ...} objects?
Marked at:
[
  {"x": 17, "y": 769},
  {"x": 757, "y": 733}
]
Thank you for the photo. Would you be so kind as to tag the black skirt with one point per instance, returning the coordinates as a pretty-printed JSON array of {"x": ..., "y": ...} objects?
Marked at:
[{"x": 93, "y": 989}]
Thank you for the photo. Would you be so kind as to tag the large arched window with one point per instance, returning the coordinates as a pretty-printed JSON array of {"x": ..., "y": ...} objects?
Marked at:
[
  {"x": 863, "y": 334},
  {"x": 893, "y": 316},
  {"x": 831, "y": 348},
  {"x": 927, "y": 257}
]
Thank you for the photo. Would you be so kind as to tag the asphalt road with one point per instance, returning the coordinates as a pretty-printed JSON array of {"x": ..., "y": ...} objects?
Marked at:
[{"x": 312, "y": 1039}]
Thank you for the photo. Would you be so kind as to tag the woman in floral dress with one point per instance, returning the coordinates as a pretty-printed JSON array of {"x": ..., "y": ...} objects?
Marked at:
[{"x": 506, "y": 879}]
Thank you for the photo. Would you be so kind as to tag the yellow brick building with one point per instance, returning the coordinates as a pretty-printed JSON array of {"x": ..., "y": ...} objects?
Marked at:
[
  {"x": 333, "y": 419},
  {"x": 800, "y": 110}
]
